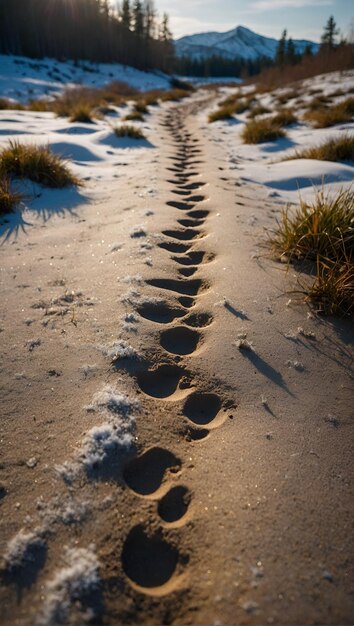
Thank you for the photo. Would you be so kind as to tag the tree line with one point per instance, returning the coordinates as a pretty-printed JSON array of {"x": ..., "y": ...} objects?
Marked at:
[
  {"x": 286, "y": 55},
  {"x": 130, "y": 33}
]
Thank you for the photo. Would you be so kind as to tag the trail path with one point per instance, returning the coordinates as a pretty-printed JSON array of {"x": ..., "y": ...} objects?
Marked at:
[{"x": 168, "y": 414}]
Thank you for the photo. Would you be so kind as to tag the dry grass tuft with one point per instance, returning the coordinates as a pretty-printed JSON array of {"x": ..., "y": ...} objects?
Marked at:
[
  {"x": 37, "y": 163},
  {"x": 129, "y": 131},
  {"x": 324, "y": 117},
  {"x": 8, "y": 199},
  {"x": 134, "y": 116},
  {"x": 259, "y": 109},
  {"x": 285, "y": 117},
  {"x": 82, "y": 113},
  {"x": 260, "y": 131},
  {"x": 322, "y": 233},
  {"x": 338, "y": 149},
  {"x": 223, "y": 113}
]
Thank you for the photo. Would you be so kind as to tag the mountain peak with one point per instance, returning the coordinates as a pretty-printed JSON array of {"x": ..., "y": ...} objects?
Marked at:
[{"x": 240, "y": 43}]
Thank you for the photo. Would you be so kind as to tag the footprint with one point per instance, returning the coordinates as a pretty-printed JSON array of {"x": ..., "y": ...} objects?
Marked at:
[
  {"x": 191, "y": 223},
  {"x": 192, "y": 186},
  {"x": 181, "y": 192},
  {"x": 196, "y": 198},
  {"x": 148, "y": 560},
  {"x": 203, "y": 408},
  {"x": 196, "y": 434},
  {"x": 194, "y": 258},
  {"x": 185, "y": 234},
  {"x": 197, "y": 214},
  {"x": 186, "y": 302},
  {"x": 163, "y": 382},
  {"x": 159, "y": 312},
  {"x": 146, "y": 473},
  {"x": 187, "y": 271},
  {"x": 174, "y": 505},
  {"x": 198, "y": 320},
  {"x": 183, "y": 206},
  {"x": 187, "y": 287},
  {"x": 174, "y": 246},
  {"x": 180, "y": 340}
]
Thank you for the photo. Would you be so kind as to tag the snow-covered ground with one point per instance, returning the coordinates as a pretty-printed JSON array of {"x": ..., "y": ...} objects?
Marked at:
[
  {"x": 263, "y": 163},
  {"x": 24, "y": 79}
]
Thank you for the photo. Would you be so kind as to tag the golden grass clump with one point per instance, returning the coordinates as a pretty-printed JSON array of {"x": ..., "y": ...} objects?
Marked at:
[
  {"x": 39, "y": 106},
  {"x": 134, "y": 116},
  {"x": 330, "y": 116},
  {"x": 260, "y": 131},
  {"x": 291, "y": 94},
  {"x": 258, "y": 109},
  {"x": 141, "y": 107},
  {"x": 338, "y": 149},
  {"x": 174, "y": 95},
  {"x": 37, "y": 163},
  {"x": 223, "y": 113},
  {"x": 322, "y": 233},
  {"x": 81, "y": 113},
  {"x": 231, "y": 99},
  {"x": 129, "y": 131},
  {"x": 285, "y": 117},
  {"x": 9, "y": 199}
]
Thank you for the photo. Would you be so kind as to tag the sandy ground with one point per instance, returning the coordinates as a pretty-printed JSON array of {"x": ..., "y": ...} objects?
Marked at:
[{"x": 218, "y": 488}]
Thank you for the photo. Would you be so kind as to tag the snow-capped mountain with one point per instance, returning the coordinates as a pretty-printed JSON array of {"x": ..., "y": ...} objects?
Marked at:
[{"x": 237, "y": 43}]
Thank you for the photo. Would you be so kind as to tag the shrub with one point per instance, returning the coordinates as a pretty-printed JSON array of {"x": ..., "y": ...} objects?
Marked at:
[
  {"x": 285, "y": 117},
  {"x": 224, "y": 113},
  {"x": 134, "y": 116},
  {"x": 5, "y": 103},
  {"x": 129, "y": 131},
  {"x": 259, "y": 131},
  {"x": 338, "y": 149},
  {"x": 140, "y": 107},
  {"x": 81, "y": 113},
  {"x": 9, "y": 104},
  {"x": 174, "y": 95},
  {"x": 231, "y": 99},
  {"x": 39, "y": 106},
  {"x": 336, "y": 114},
  {"x": 291, "y": 94},
  {"x": 37, "y": 163},
  {"x": 241, "y": 106},
  {"x": 320, "y": 102},
  {"x": 259, "y": 109},
  {"x": 8, "y": 198},
  {"x": 322, "y": 232}
]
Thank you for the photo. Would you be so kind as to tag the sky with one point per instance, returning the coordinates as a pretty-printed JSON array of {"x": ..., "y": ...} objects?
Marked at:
[{"x": 304, "y": 19}]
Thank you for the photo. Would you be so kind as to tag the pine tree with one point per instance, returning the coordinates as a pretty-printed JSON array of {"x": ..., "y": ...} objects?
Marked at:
[
  {"x": 330, "y": 34},
  {"x": 281, "y": 50},
  {"x": 290, "y": 55},
  {"x": 125, "y": 14},
  {"x": 165, "y": 33},
  {"x": 138, "y": 18},
  {"x": 149, "y": 15}
]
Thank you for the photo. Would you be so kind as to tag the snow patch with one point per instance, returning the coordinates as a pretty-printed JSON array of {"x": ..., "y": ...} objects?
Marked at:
[
  {"x": 74, "y": 589},
  {"x": 21, "y": 549}
]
